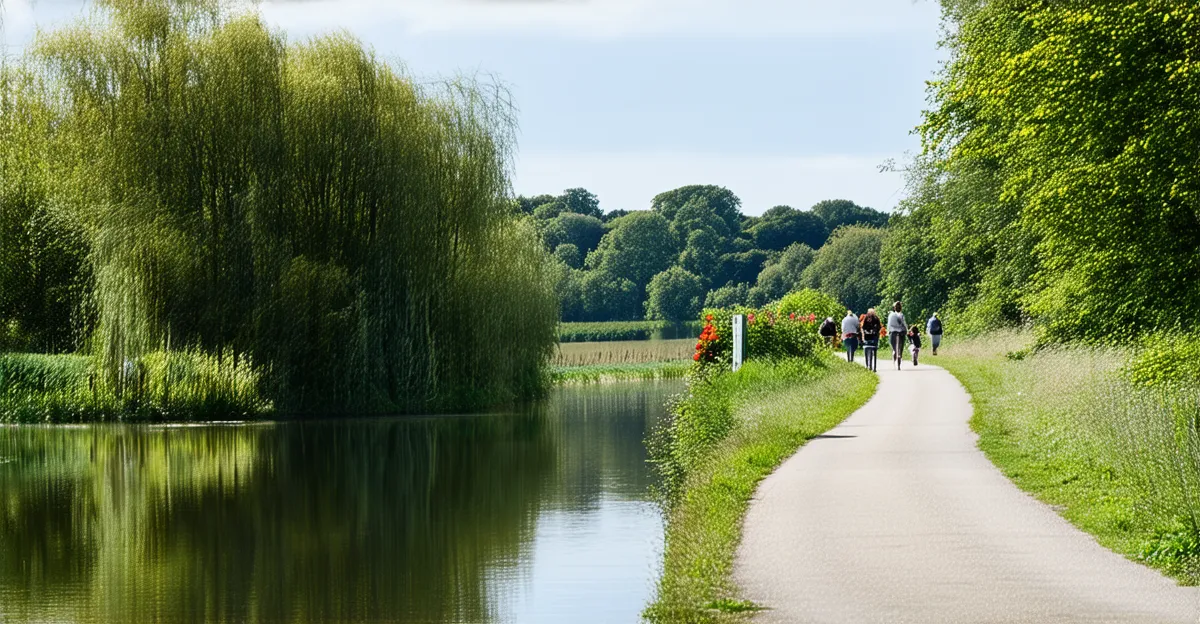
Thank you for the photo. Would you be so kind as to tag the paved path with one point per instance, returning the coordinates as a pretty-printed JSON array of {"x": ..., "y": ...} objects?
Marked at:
[{"x": 896, "y": 516}]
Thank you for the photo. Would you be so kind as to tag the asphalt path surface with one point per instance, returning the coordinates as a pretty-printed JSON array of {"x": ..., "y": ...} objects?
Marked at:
[{"x": 896, "y": 516}]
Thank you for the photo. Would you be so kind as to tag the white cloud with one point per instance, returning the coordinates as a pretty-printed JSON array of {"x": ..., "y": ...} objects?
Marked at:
[
  {"x": 629, "y": 180},
  {"x": 611, "y": 18}
]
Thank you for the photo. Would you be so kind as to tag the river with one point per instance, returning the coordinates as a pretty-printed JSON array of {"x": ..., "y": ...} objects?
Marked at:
[{"x": 540, "y": 515}]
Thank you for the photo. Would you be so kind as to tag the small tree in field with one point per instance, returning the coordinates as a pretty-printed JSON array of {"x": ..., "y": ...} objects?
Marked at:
[{"x": 674, "y": 295}]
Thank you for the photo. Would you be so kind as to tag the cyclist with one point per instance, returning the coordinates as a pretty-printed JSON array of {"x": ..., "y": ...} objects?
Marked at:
[{"x": 870, "y": 332}]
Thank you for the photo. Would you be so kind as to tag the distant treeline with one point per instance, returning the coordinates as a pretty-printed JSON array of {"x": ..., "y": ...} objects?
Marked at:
[
  {"x": 175, "y": 176},
  {"x": 1060, "y": 181},
  {"x": 695, "y": 248}
]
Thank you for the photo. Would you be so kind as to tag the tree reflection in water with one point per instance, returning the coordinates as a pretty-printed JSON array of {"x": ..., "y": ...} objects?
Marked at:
[{"x": 351, "y": 520}]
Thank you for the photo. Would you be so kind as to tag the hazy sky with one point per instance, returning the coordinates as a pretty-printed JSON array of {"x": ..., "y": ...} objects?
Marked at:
[{"x": 783, "y": 101}]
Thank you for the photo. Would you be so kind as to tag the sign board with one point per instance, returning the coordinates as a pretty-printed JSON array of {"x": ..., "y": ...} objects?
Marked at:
[{"x": 739, "y": 340}]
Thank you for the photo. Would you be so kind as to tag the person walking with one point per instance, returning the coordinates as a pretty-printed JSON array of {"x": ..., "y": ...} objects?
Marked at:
[
  {"x": 871, "y": 327},
  {"x": 914, "y": 337},
  {"x": 850, "y": 330},
  {"x": 897, "y": 328},
  {"x": 933, "y": 327},
  {"x": 828, "y": 331}
]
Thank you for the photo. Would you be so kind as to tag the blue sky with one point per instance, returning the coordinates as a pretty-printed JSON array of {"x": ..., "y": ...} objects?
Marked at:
[{"x": 783, "y": 101}]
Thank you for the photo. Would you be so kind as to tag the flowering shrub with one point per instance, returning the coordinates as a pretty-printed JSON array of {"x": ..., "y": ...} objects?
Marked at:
[
  {"x": 706, "y": 347},
  {"x": 769, "y": 335}
]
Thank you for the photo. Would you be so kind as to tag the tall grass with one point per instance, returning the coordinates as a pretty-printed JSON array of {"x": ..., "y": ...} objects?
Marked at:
[
  {"x": 301, "y": 203},
  {"x": 1073, "y": 426},
  {"x": 164, "y": 385},
  {"x": 623, "y": 352}
]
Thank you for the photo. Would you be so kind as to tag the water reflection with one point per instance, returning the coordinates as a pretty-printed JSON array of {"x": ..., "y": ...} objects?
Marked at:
[{"x": 523, "y": 517}]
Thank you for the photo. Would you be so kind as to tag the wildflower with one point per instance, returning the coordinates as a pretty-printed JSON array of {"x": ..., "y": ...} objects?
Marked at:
[
  {"x": 696, "y": 357},
  {"x": 792, "y": 316},
  {"x": 708, "y": 318}
]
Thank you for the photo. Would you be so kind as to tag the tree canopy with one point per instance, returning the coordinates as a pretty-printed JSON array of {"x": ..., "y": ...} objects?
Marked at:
[{"x": 1061, "y": 179}]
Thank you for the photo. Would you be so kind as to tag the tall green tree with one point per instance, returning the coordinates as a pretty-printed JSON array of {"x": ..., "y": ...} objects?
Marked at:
[
  {"x": 639, "y": 246},
  {"x": 847, "y": 267},
  {"x": 718, "y": 199},
  {"x": 839, "y": 212},
  {"x": 570, "y": 228},
  {"x": 783, "y": 275},
  {"x": 1086, "y": 115},
  {"x": 674, "y": 295},
  {"x": 783, "y": 226},
  {"x": 302, "y": 206}
]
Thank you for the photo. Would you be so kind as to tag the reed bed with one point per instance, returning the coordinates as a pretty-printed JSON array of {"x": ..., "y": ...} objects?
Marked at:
[
  {"x": 164, "y": 385},
  {"x": 1071, "y": 425},
  {"x": 601, "y": 373},
  {"x": 623, "y": 352}
]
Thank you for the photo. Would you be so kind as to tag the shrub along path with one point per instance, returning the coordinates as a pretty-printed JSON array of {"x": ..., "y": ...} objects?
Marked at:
[{"x": 897, "y": 516}]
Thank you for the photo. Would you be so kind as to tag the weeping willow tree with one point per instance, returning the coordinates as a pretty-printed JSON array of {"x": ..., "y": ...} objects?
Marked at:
[{"x": 304, "y": 206}]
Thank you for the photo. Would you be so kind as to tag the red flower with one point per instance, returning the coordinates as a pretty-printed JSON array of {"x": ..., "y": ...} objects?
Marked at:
[
  {"x": 696, "y": 357},
  {"x": 792, "y": 316},
  {"x": 708, "y": 318}
]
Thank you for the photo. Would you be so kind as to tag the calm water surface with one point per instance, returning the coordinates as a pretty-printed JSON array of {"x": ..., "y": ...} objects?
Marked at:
[{"x": 537, "y": 516}]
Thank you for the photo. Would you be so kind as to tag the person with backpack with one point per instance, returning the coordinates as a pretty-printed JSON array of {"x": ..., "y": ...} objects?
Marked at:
[
  {"x": 934, "y": 328},
  {"x": 871, "y": 327},
  {"x": 914, "y": 338},
  {"x": 850, "y": 330},
  {"x": 897, "y": 330}
]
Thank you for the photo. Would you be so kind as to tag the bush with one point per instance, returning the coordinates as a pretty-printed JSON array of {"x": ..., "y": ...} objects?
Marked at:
[
  {"x": 1165, "y": 360},
  {"x": 809, "y": 301},
  {"x": 769, "y": 336}
]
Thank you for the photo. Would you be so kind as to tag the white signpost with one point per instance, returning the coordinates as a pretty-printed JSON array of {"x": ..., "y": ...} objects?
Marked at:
[{"x": 739, "y": 340}]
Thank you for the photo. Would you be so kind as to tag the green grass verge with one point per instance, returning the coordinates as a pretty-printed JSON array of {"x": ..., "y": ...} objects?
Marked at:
[
  {"x": 727, "y": 434},
  {"x": 1111, "y": 458},
  {"x": 566, "y": 375}
]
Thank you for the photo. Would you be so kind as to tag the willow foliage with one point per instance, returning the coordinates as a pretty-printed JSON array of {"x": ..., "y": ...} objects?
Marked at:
[{"x": 302, "y": 205}]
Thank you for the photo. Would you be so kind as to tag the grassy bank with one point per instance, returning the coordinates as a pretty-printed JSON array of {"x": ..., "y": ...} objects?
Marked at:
[
  {"x": 1071, "y": 426},
  {"x": 726, "y": 435},
  {"x": 620, "y": 372}
]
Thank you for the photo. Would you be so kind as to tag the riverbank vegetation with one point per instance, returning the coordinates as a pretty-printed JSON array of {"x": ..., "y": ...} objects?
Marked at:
[
  {"x": 730, "y": 433},
  {"x": 603, "y": 373},
  {"x": 727, "y": 431},
  {"x": 1107, "y": 435},
  {"x": 623, "y": 352},
  {"x": 297, "y": 221}
]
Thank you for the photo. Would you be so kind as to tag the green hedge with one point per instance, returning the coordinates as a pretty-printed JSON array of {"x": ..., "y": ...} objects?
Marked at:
[{"x": 625, "y": 330}]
